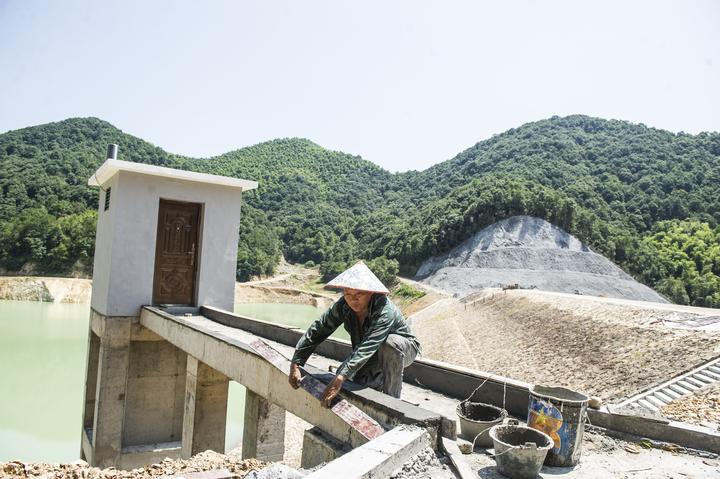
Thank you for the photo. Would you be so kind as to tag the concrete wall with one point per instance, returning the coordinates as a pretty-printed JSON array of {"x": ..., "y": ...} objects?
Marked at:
[
  {"x": 126, "y": 235},
  {"x": 155, "y": 397},
  {"x": 103, "y": 249}
]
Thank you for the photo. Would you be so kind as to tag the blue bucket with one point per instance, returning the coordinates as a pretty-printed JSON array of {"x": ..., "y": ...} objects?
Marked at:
[{"x": 560, "y": 413}]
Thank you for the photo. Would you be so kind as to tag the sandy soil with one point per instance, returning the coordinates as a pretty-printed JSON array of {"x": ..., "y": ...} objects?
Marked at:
[
  {"x": 205, "y": 461},
  {"x": 299, "y": 285},
  {"x": 247, "y": 293},
  {"x": 702, "y": 408},
  {"x": 611, "y": 350},
  {"x": 36, "y": 288}
]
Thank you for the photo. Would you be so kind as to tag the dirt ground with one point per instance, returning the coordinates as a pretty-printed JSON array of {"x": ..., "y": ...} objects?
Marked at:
[
  {"x": 604, "y": 457},
  {"x": 205, "y": 461},
  {"x": 612, "y": 350}
]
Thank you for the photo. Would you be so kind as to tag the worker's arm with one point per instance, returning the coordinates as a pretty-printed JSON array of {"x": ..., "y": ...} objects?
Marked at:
[{"x": 315, "y": 334}]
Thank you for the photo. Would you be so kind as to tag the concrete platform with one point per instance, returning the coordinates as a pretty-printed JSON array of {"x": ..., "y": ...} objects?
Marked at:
[{"x": 602, "y": 456}]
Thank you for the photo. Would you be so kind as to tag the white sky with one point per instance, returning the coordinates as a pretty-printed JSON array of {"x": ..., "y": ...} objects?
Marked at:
[{"x": 404, "y": 84}]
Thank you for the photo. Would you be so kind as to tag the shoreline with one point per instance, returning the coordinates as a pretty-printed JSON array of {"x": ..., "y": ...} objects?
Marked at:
[
  {"x": 79, "y": 290},
  {"x": 45, "y": 289}
]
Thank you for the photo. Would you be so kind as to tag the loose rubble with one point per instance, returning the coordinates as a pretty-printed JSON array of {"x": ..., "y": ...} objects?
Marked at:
[
  {"x": 204, "y": 461},
  {"x": 276, "y": 471},
  {"x": 425, "y": 465},
  {"x": 702, "y": 408}
]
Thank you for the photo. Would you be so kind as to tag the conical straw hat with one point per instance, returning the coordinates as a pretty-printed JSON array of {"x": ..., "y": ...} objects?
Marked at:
[{"x": 359, "y": 277}]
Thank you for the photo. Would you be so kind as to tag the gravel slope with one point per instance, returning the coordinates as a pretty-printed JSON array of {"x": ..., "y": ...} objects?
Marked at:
[
  {"x": 596, "y": 345},
  {"x": 531, "y": 253}
]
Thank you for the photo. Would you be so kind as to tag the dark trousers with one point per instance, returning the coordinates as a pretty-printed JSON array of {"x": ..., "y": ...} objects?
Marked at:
[{"x": 384, "y": 370}]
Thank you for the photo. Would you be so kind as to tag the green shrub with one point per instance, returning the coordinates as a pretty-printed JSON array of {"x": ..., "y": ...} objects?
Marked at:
[{"x": 408, "y": 292}]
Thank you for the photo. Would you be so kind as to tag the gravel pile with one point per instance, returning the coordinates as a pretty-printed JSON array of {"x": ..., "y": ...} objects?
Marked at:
[
  {"x": 204, "y": 461},
  {"x": 531, "y": 253},
  {"x": 703, "y": 408},
  {"x": 425, "y": 465}
]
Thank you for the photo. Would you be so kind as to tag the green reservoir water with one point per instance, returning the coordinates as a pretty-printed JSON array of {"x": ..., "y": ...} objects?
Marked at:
[{"x": 43, "y": 349}]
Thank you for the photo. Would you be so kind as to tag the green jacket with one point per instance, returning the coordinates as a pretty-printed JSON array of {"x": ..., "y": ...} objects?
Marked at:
[{"x": 384, "y": 318}]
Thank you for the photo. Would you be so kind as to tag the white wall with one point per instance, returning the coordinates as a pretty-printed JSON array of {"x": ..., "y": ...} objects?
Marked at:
[
  {"x": 128, "y": 233},
  {"x": 103, "y": 248}
]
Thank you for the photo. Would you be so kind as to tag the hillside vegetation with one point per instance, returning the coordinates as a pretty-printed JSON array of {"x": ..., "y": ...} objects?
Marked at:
[{"x": 645, "y": 198}]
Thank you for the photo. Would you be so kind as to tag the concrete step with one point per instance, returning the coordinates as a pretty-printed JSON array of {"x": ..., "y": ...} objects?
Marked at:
[
  {"x": 663, "y": 397},
  {"x": 647, "y": 405},
  {"x": 710, "y": 374},
  {"x": 714, "y": 369},
  {"x": 655, "y": 400},
  {"x": 694, "y": 381},
  {"x": 680, "y": 390},
  {"x": 703, "y": 378},
  {"x": 672, "y": 394},
  {"x": 688, "y": 385}
]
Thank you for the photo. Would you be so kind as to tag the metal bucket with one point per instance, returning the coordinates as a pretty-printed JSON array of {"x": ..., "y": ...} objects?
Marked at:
[
  {"x": 560, "y": 413},
  {"x": 519, "y": 450},
  {"x": 476, "y": 419}
]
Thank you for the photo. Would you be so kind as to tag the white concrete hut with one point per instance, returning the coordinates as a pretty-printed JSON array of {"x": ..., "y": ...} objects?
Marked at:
[{"x": 165, "y": 237}]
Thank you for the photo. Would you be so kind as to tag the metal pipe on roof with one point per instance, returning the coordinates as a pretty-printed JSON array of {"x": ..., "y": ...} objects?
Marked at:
[{"x": 112, "y": 151}]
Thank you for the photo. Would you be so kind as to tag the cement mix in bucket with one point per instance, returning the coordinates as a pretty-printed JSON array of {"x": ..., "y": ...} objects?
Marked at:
[
  {"x": 519, "y": 450},
  {"x": 476, "y": 419}
]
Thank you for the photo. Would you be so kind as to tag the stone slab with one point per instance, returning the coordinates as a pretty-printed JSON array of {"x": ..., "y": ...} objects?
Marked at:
[{"x": 379, "y": 457}]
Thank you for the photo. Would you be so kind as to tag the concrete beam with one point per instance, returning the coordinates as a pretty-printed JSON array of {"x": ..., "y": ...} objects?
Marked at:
[
  {"x": 379, "y": 457},
  {"x": 236, "y": 360},
  {"x": 91, "y": 375},
  {"x": 110, "y": 394},
  {"x": 688, "y": 435},
  {"x": 456, "y": 457},
  {"x": 206, "y": 399},
  {"x": 263, "y": 429}
]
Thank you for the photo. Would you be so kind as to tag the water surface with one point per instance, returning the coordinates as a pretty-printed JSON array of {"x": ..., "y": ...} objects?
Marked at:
[{"x": 43, "y": 348}]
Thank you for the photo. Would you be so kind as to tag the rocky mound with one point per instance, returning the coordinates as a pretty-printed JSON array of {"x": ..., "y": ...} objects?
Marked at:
[{"x": 531, "y": 253}]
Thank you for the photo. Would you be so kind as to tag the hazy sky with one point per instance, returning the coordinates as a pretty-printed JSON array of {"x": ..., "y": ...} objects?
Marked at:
[{"x": 404, "y": 84}]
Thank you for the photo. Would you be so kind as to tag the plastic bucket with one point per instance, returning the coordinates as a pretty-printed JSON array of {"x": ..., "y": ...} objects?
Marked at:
[
  {"x": 560, "y": 413},
  {"x": 519, "y": 451},
  {"x": 476, "y": 419}
]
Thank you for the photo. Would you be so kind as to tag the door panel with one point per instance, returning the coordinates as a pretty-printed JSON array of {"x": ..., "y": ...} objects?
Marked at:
[{"x": 176, "y": 253}]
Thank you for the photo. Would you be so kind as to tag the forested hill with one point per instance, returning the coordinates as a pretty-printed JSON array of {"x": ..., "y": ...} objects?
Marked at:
[{"x": 646, "y": 198}]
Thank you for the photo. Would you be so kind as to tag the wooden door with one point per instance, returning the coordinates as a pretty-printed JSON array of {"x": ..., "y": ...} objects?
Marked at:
[{"x": 176, "y": 253}]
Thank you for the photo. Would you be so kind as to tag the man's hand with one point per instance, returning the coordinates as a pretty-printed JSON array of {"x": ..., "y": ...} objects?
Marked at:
[
  {"x": 295, "y": 376},
  {"x": 332, "y": 390}
]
